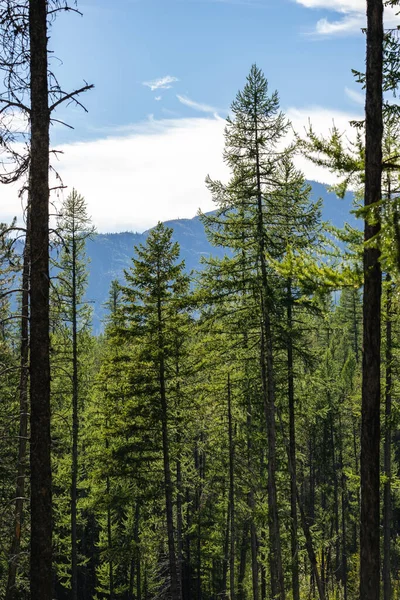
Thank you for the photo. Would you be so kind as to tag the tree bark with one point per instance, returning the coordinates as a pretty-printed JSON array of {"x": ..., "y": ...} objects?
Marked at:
[
  {"x": 292, "y": 450},
  {"x": 226, "y": 555},
  {"x": 387, "y": 500},
  {"x": 75, "y": 427},
  {"x": 231, "y": 497},
  {"x": 370, "y": 426},
  {"x": 11, "y": 591},
  {"x": 344, "y": 513},
  {"x": 179, "y": 522},
  {"x": 41, "y": 481}
]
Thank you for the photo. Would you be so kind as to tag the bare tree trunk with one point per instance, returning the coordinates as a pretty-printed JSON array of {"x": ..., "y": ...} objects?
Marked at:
[
  {"x": 231, "y": 497},
  {"x": 11, "y": 591},
  {"x": 41, "y": 483},
  {"x": 370, "y": 427},
  {"x": 75, "y": 430},
  {"x": 387, "y": 500},
  {"x": 292, "y": 450},
  {"x": 226, "y": 556},
  {"x": 344, "y": 514}
]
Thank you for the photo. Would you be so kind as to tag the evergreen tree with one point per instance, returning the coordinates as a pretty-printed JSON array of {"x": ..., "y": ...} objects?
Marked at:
[
  {"x": 71, "y": 318},
  {"x": 154, "y": 298}
]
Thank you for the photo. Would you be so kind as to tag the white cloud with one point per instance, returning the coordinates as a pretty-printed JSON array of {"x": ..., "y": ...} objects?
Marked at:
[
  {"x": 352, "y": 15},
  {"x": 357, "y": 97},
  {"x": 163, "y": 83},
  {"x": 155, "y": 170},
  {"x": 322, "y": 121},
  {"x": 336, "y": 5},
  {"x": 157, "y": 98},
  {"x": 206, "y": 108},
  {"x": 347, "y": 24}
]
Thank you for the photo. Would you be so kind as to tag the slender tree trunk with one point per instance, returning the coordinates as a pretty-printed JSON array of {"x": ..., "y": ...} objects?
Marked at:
[
  {"x": 168, "y": 488},
  {"x": 109, "y": 538},
  {"x": 175, "y": 591},
  {"x": 310, "y": 548},
  {"x": 344, "y": 514},
  {"x": 277, "y": 591},
  {"x": 355, "y": 534},
  {"x": 292, "y": 450},
  {"x": 231, "y": 496},
  {"x": 75, "y": 429},
  {"x": 335, "y": 501},
  {"x": 226, "y": 555},
  {"x": 179, "y": 523},
  {"x": 251, "y": 505},
  {"x": 11, "y": 591},
  {"x": 242, "y": 563},
  {"x": 387, "y": 500},
  {"x": 263, "y": 570},
  {"x": 187, "y": 576},
  {"x": 370, "y": 427},
  {"x": 254, "y": 548},
  {"x": 307, "y": 533},
  {"x": 268, "y": 378},
  {"x": 135, "y": 562},
  {"x": 200, "y": 466},
  {"x": 355, "y": 326},
  {"x": 41, "y": 484}
]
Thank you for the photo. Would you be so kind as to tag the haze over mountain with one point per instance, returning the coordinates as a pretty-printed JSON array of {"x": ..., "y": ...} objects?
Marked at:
[{"x": 111, "y": 253}]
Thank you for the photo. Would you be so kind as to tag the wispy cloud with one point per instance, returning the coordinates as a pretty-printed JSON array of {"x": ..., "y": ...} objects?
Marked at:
[
  {"x": 351, "y": 16},
  {"x": 199, "y": 106},
  {"x": 158, "y": 98},
  {"x": 163, "y": 83},
  {"x": 356, "y": 97}
]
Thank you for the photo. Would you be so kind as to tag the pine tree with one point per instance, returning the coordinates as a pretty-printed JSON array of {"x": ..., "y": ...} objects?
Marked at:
[
  {"x": 71, "y": 321},
  {"x": 154, "y": 300}
]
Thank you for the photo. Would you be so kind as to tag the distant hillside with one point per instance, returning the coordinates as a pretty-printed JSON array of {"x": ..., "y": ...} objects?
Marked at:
[{"x": 111, "y": 253}]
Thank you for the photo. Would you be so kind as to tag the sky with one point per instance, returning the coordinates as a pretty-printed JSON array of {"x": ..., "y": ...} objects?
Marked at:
[{"x": 165, "y": 74}]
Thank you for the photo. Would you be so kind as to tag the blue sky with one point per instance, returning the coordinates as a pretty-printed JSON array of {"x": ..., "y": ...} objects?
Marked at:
[
  {"x": 208, "y": 46},
  {"x": 165, "y": 74}
]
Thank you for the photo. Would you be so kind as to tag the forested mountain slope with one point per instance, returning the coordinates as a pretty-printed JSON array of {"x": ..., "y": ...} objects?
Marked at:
[{"x": 111, "y": 253}]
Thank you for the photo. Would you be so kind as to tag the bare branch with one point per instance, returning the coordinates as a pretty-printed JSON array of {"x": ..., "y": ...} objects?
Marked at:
[{"x": 72, "y": 96}]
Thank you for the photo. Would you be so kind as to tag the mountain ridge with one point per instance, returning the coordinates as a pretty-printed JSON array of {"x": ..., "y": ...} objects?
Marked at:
[{"x": 110, "y": 253}]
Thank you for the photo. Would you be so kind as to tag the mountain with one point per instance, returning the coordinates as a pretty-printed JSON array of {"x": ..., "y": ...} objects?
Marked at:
[{"x": 111, "y": 253}]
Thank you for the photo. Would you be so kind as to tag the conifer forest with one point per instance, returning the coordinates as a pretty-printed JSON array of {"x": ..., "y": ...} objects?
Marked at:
[{"x": 232, "y": 433}]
